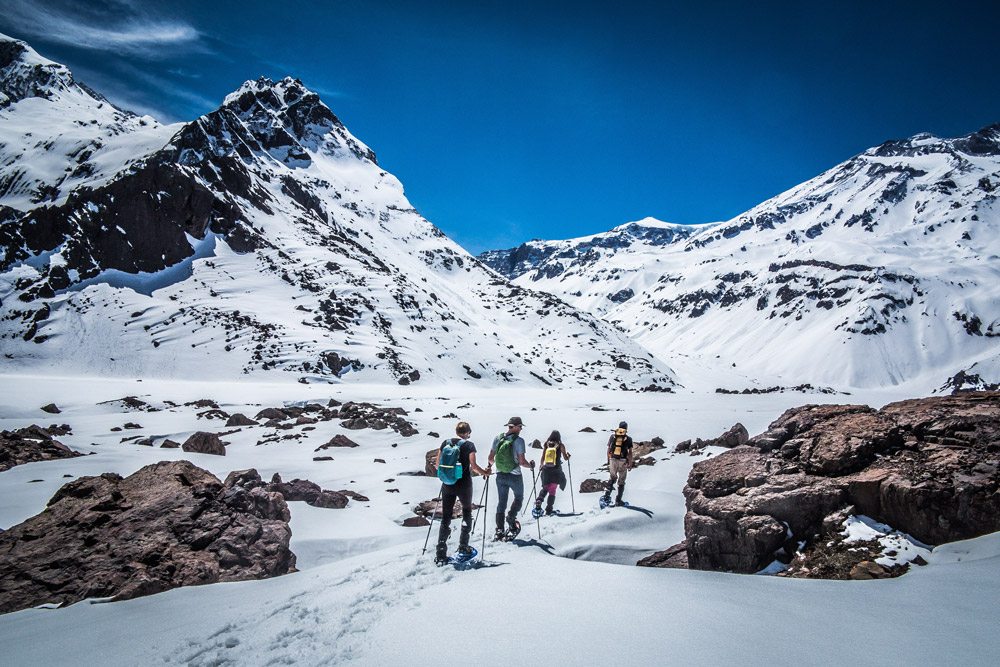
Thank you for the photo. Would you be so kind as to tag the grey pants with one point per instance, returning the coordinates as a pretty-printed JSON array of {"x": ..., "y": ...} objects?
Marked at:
[{"x": 507, "y": 482}]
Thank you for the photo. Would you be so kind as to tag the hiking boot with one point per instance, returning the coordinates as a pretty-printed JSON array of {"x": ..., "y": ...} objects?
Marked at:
[
  {"x": 499, "y": 535},
  {"x": 465, "y": 551},
  {"x": 550, "y": 504},
  {"x": 441, "y": 554}
]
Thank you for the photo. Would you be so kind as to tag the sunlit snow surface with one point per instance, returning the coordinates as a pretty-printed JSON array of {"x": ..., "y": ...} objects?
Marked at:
[{"x": 366, "y": 595}]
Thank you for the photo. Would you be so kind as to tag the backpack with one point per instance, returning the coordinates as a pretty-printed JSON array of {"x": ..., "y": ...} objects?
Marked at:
[
  {"x": 550, "y": 458},
  {"x": 618, "y": 448},
  {"x": 449, "y": 468},
  {"x": 505, "y": 453}
]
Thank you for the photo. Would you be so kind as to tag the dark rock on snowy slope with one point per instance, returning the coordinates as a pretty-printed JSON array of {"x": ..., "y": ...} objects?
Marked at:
[
  {"x": 928, "y": 467},
  {"x": 203, "y": 442},
  {"x": 27, "y": 445},
  {"x": 168, "y": 525},
  {"x": 268, "y": 195},
  {"x": 737, "y": 435}
]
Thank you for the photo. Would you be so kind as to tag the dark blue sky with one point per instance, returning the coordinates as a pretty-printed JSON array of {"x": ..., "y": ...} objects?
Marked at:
[{"x": 512, "y": 120}]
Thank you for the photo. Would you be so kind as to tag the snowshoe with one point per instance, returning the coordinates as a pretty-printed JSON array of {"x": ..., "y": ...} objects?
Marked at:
[
  {"x": 604, "y": 502},
  {"x": 500, "y": 535},
  {"x": 463, "y": 556},
  {"x": 512, "y": 531},
  {"x": 537, "y": 512}
]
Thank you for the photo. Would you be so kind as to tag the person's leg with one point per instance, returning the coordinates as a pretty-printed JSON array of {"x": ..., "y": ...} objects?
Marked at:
[
  {"x": 447, "y": 508},
  {"x": 503, "y": 487},
  {"x": 551, "y": 490},
  {"x": 541, "y": 496},
  {"x": 621, "y": 481},
  {"x": 517, "y": 486},
  {"x": 465, "y": 496},
  {"x": 613, "y": 470}
]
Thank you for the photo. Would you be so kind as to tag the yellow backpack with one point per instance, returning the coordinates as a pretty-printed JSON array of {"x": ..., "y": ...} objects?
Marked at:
[
  {"x": 551, "y": 456},
  {"x": 618, "y": 449}
]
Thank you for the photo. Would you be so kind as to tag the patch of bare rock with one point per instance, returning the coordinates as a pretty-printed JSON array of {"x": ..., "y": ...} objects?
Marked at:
[
  {"x": 928, "y": 467},
  {"x": 170, "y": 524},
  {"x": 34, "y": 443}
]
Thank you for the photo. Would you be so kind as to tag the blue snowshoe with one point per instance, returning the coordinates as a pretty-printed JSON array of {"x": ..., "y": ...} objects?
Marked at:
[{"x": 463, "y": 558}]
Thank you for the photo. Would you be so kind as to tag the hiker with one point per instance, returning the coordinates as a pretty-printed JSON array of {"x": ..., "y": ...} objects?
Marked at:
[
  {"x": 619, "y": 461},
  {"x": 508, "y": 454},
  {"x": 461, "y": 490},
  {"x": 553, "y": 453}
]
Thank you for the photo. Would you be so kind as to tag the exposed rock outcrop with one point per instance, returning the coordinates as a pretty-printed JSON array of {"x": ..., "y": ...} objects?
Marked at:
[
  {"x": 673, "y": 557},
  {"x": 309, "y": 492},
  {"x": 203, "y": 442},
  {"x": 929, "y": 467},
  {"x": 30, "y": 444},
  {"x": 170, "y": 524},
  {"x": 737, "y": 435}
]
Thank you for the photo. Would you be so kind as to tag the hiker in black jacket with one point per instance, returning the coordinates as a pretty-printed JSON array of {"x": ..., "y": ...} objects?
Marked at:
[
  {"x": 461, "y": 490},
  {"x": 619, "y": 461}
]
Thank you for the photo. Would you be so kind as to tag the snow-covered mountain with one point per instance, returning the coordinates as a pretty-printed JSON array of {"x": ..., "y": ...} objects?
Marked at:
[
  {"x": 883, "y": 270},
  {"x": 262, "y": 236},
  {"x": 613, "y": 264}
]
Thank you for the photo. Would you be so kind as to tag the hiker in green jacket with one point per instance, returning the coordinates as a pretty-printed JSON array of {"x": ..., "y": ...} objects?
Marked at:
[{"x": 508, "y": 455}]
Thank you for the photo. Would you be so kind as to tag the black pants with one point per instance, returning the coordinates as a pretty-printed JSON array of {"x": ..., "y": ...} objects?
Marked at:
[{"x": 462, "y": 493}]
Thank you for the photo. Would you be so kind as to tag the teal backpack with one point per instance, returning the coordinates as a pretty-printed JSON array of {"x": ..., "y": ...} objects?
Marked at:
[{"x": 449, "y": 467}]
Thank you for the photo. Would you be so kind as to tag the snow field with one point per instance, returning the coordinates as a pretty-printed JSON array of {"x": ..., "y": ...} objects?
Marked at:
[{"x": 365, "y": 595}]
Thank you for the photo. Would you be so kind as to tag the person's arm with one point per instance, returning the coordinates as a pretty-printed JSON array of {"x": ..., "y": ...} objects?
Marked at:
[
  {"x": 437, "y": 459},
  {"x": 493, "y": 454},
  {"x": 631, "y": 462},
  {"x": 564, "y": 452},
  {"x": 611, "y": 441},
  {"x": 485, "y": 472}
]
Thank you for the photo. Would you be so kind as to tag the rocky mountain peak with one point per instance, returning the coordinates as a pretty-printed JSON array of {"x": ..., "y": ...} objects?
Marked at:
[
  {"x": 287, "y": 117},
  {"x": 985, "y": 141},
  {"x": 24, "y": 73}
]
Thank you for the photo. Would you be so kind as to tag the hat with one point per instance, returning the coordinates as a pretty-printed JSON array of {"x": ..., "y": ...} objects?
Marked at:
[
  {"x": 623, "y": 425},
  {"x": 515, "y": 421}
]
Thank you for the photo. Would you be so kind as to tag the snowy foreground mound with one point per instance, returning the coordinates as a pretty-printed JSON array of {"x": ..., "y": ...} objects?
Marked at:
[{"x": 366, "y": 595}]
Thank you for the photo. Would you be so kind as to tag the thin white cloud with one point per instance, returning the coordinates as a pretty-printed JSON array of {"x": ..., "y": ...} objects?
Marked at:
[{"x": 120, "y": 27}]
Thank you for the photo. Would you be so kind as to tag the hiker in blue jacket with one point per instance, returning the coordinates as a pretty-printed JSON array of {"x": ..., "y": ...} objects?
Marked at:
[
  {"x": 461, "y": 490},
  {"x": 508, "y": 454}
]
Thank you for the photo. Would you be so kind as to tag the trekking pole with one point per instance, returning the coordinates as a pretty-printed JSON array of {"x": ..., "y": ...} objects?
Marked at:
[
  {"x": 481, "y": 505},
  {"x": 482, "y": 553},
  {"x": 532, "y": 499},
  {"x": 569, "y": 465},
  {"x": 433, "y": 514}
]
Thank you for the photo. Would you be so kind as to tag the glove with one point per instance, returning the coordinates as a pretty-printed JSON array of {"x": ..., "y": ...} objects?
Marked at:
[{"x": 532, "y": 464}]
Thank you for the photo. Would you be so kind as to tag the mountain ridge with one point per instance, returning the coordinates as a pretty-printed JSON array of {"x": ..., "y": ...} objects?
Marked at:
[
  {"x": 264, "y": 237},
  {"x": 888, "y": 257}
]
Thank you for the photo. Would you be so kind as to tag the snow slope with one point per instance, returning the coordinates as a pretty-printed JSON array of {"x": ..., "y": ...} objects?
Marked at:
[
  {"x": 260, "y": 237},
  {"x": 881, "y": 271},
  {"x": 365, "y": 594}
]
